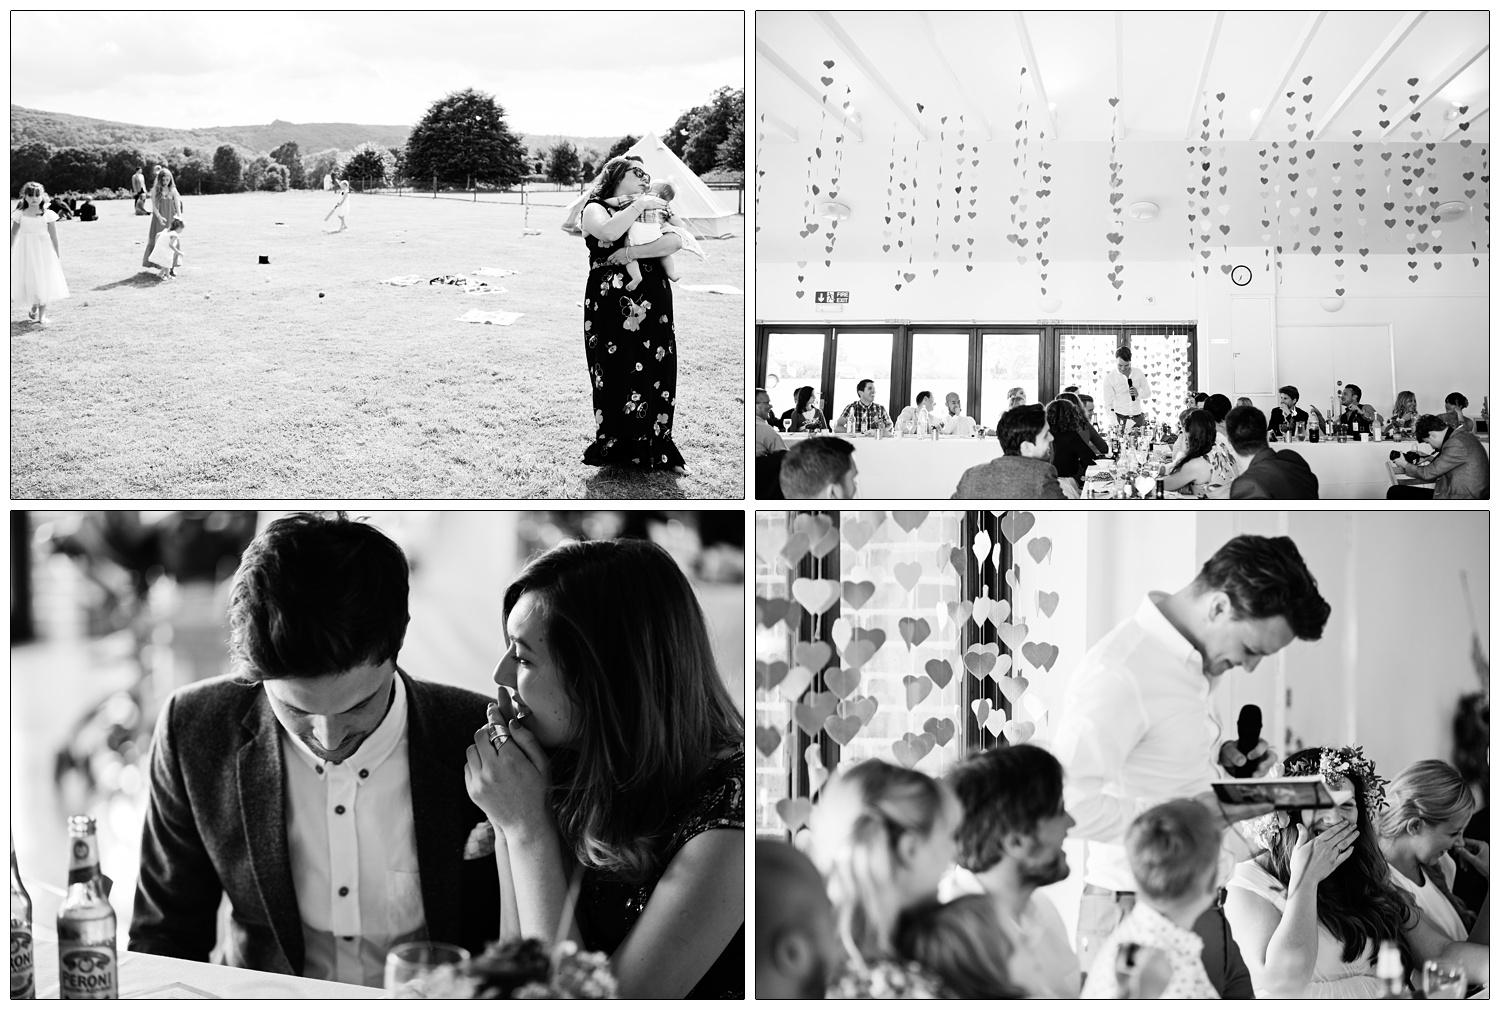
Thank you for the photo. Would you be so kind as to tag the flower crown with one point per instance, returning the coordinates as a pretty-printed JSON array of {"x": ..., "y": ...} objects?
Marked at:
[{"x": 1347, "y": 763}]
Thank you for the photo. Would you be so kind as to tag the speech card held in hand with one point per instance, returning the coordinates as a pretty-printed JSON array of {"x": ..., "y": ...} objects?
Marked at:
[{"x": 1298, "y": 792}]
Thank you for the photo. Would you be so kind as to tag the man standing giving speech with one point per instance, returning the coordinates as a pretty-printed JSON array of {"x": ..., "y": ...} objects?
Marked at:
[
  {"x": 1141, "y": 697},
  {"x": 1126, "y": 390},
  {"x": 318, "y": 786}
]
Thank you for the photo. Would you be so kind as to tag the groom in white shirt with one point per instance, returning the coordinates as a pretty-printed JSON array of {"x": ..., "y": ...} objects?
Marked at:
[
  {"x": 1141, "y": 698},
  {"x": 1126, "y": 390}
]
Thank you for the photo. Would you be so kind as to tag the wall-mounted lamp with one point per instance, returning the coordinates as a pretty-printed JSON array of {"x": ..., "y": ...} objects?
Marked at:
[{"x": 1332, "y": 304}]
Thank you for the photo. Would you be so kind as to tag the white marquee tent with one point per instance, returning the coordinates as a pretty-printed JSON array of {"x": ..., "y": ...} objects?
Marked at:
[{"x": 708, "y": 214}]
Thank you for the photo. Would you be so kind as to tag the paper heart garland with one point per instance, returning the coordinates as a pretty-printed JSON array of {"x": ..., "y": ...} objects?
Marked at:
[
  {"x": 857, "y": 534},
  {"x": 917, "y": 690},
  {"x": 981, "y": 547},
  {"x": 813, "y": 655},
  {"x": 1015, "y": 525},
  {"x": 912, "y": 748},
  {"x": 794, "y": 813},
  {"x": 857, "y": 594},
  {"x": 960, "y": 611},
  {"x": 914, "y": 631},
  {"x": 768, "y": 612},
  {"x": 1012, "y": 635},
  {"x": 908, "y": 521},
  {"x": 815, "y": 595},
  {"x": 982, "y": 708},
  {"x": 810, "y": 714},
  {"x": 940, "y": 670},
  {"x": 863, "y": 706},
  {"x": 817, "y": 775},
  {"x": 1013, "y": 688},
  {"x": 819, "y": 531},
  {"x": 908, "y": 574},
  {"x": 941, "y": 730},
  {"x": 841, "y": 682},
  {"x": 794, "y": 548},
  {"x": 1018, "y": 732},
  {"x": 767, "y": 739},
  {"x": 981, "y": 606},
  {"x": 768, "y": 675},
  {"x": 1046, "y": 602},
  {"x": 864, "y": 644},
  {"x": 842, "y": 728},
  {"x": 1040, "y": 654},
  {"x": 996, "y": 722},
  {"x": 1039, "y": 548},
  {"x": 843, "y": 631},
  {"x": 979, "y": 660}
]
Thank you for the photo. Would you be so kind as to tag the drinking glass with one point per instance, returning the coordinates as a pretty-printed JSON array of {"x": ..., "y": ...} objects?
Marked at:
[
  {"x": 1302, "y": 431},
  {"x": 1443, "y": 980},
  {"x": 409, "y": 965}
]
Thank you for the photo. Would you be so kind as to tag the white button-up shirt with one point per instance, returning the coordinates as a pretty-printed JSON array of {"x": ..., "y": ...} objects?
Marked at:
[
  {"x": 1137, "y": 729},
  {"x": 1116, "y": 395},
  {"x": 353, "y": 850}
]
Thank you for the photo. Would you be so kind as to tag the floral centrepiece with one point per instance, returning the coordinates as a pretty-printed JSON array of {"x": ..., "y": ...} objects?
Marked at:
[{"x": 522, "y": 969}]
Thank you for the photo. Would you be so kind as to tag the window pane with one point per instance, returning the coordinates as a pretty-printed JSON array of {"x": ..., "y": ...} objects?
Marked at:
[
  {"x": 861, "y": 356},
  {"x": 1010, "y": 360},
  {"x": 1164, "y": 359},
  {"x": 1086, "y": 359},
  {"x": 772, "y": 582},
  {"x": 792, "y": 360},
  {"x": 940, "y": 365}
]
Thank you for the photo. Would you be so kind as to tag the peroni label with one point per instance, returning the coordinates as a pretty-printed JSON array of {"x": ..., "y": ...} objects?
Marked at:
[
  {"x": 21, "y": 986},
  {"x": 88, "y": 973}
]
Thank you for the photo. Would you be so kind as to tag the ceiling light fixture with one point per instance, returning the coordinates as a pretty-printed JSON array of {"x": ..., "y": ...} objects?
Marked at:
[
  {"x": 833, "y": 211},
  {"x": 1144, "y": 210},
  {"x": 1452, "y": 210}
]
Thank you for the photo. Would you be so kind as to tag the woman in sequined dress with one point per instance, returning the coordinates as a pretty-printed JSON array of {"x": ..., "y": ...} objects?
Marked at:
[{"x": 615, "y": 749}]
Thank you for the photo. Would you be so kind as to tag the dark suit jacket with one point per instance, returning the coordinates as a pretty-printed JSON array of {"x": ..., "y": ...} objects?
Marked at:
[
  {"x": 1461, "y": 468},
  {"x": 1274, "y": 424},
  {"x": 216, "y": 823},
  {"x": 1010, "y": 477},
  {"x": 1276, "y": 474}
]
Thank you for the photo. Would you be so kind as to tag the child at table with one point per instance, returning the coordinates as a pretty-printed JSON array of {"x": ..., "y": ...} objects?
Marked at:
[{"x": 1173, "y": 850}]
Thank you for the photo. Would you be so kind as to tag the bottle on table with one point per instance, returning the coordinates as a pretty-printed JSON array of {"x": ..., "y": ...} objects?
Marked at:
[
  {"x": 1388, "y": 969},
  {"x": 86, "y": 927},
  {"x": 1161, "y": 482},
  {"x": 22, "y": 977}
]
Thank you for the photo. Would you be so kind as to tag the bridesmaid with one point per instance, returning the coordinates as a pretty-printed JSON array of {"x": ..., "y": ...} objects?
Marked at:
[
  {"x": 166, "y": 206},
  {"x": 628, "y": 337}
]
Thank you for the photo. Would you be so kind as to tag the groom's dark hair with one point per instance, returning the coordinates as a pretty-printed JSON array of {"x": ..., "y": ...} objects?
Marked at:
[
  {"x": 1266, "y": 577},
  {"x": 316, "y": 595}
]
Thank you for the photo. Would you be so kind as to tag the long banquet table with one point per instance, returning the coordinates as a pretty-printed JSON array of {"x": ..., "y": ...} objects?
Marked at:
[
  {"x": 150, "y": 976},
  {"x": 923, "y": 468}
]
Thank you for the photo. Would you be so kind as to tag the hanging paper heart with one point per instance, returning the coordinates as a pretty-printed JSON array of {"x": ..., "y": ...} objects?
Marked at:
[
  {"x": 1002, "y": 667},
  {"x": 1016, "y": 525},
  {"x": 1013, "y": 688},
  {"x": 1013, "y": 577},
  {"x": 980, "y": 659},
  {"x": 857, "y": 594},
  {"x": 956, "y": 559},
  {"x": 1040, "y": 654},
  {"x": 862, "y": 706},
  {"x": 914, "y": 631},
  {"x": 912, "y": 748},
  {"x": 940, "y": 670},
  {"x": 982, "y": 708},
  {"x": 941, "y": 730},
  {"x": 815, "y": 595},
  {"x": 867, "y": 642},
  {"x": 769, "y": 542},
  {"x": 810, "y": 714},
  {"x": 841, "y": 682},
  {"x": 857, "y": 534},
  {"x": 917, "y": 690},
  {"x": 768, "y": 675},
  {"x": 1046, "y": 602},
  {"x": 981, "y": 546},
  {"x": 981, "y": 609},
  {"x": 908, "y": 574},
  {"x": 943, "y": 558},
  {"x": 908, "y": 521},
  {"x": 843, "y": 631},
  {"x": 769, "y": 611},
  {"x": 1012, "y": 634},
  {"x": 1039, "y": 548},
  {"x": 794, "y": 813},
  {"x": 960, "y": 611},
  {"x": 842, "y": 728},
  {"x": 798, "y": 679},
  {"x": 812, "y": 525},
  {"x": 817, "y": 775},
  {"x": 813, "y": 655},
  {"x": 1019, "y": 732},
  {"x": 767, "y": 739},
  {"x": 996, "y": 722},
  {"x": 794, "y": 549}
]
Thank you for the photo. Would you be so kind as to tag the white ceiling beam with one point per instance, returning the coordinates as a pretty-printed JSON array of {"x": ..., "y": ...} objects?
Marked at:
[
  {"x": 1398, "y": 35},
  {"x": 868, "y": 68},
  {"x": 1447, "y": 77},
  {"x": 1208, "y": 59},
  {"x": 974, "y": 108},
  {"x": 1470, "y": 118},
  {"x": 773, "y": 120},
  {"x": 1024, "y": 36},
  {"x": 803, "y": 85},
  {"x": 1303, "y": 41}
]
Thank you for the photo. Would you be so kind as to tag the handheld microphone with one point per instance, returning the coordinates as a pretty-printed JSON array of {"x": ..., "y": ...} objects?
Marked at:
[{"x": 1249, "y": 727}]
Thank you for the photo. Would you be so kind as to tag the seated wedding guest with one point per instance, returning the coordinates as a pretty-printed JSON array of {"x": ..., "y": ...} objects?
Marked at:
[
  {"x": 1352, "y": 412},
  {"x": 1085, "y": 405},
  {"x": 1203, "y": 464},
  {"x": 796, "y": 948},
  {"x": 1311, "y": 911},
  {"x": 87, "y": 211},
  {"x": 819, "y": 468},
  {"x": 1071, "y": 453},
  {"x": 1455, "y": 404},
  {"x": 317, "y": 785},
  {"x": 1264, "y": 472},
  {"x": 60, "y": 207},
  {"x": 806, "y": 415},
  {"x": 616, "y": 757},
  {"x": 882, "y": 837},
  {"x": 956, "y": 422},
  {"x": 1009, "y": 844},
  {"x": 1173, "y": 850},
  {"x": 1024, "y": 470},
  {"x": 1287, "y": 413},
  {"x": 963, "y": 944},
  {"x": 864, "y": 413},
  {"x": 918, "y": 418},
  {"x": 1461, "y": 468},
  {"x": 1244, "y": 401},
  {"x": 1429, "y": 807},
  {"x": 1404, "y": 414},
  {"x": 1015, "y": 397},
  {"x": 767, "y": 438}
]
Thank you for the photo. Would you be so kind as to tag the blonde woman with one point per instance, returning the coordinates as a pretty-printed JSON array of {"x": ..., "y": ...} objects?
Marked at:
[
  {"x": 1422, "y": 832},
  {"x": 1404, "y": 414},
  {"x": 166, "y": 206},
  {"x": 882, "y": 837}
]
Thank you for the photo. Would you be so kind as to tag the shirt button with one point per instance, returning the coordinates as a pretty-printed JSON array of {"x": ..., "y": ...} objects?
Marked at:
[
  {"x": 320, "y": 769},
  {"x": 364, "y": 773},
  {"x": 343, "y": 892},
  {"x": 339, "y": 809},
  {"x": 348, "y": 939}
]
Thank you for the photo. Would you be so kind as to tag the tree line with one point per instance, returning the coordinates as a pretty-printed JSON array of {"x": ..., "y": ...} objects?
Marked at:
[{"x": 462, "y": 140}]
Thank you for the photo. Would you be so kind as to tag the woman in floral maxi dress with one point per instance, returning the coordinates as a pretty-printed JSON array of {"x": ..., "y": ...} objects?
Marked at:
[{"x": 629, "y": 341}]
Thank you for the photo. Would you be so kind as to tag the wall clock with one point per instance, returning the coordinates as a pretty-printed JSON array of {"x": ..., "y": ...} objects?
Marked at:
[{"x": 1240, "y": 275}]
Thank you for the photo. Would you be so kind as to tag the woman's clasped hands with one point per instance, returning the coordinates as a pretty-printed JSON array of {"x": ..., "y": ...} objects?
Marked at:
[{"x": 508, "y": 775}]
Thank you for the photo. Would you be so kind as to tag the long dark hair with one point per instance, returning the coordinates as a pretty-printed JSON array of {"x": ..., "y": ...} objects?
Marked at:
[
  {"x": 804, "y": 395},
  {"x": 1358, "y": 902},
  {"x": 1063, "y": 416},
  {"x": 650, "y": 709},
  {"x": 1201, "y": 432},
  {"x": 609, "y": 177}
]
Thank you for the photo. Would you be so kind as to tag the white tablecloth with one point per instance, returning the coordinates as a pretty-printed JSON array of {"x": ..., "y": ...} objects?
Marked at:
[
  {"x": 922, "y": 468},
  {"x": 150, "y": 976}
]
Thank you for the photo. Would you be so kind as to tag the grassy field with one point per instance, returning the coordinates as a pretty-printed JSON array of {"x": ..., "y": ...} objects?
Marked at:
[{"x": 307, "y": 378}]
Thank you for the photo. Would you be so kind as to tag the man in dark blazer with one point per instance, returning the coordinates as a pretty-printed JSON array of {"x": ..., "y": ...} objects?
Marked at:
[
  {"x": 1024, "y": 469},
  {"x": 1288, "y": 413},
  {"x": 1264, "y": 472},
  {"x": 318, "y": 786}
]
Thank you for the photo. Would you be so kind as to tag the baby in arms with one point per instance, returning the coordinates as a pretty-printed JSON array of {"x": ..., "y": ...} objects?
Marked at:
[{"x": 646, "y": 229}]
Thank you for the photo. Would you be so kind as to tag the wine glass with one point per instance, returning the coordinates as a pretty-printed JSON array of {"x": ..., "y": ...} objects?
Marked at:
[
  {"x": 408, "y": 966},
  {"x": 1443, "y": 980}
]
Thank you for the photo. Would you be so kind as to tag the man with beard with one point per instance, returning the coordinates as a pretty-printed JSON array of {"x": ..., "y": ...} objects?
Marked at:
[
  {"x": 1024, "y": 469},
  {"x": 1011, "y": 842},
  {"x": 1144, "y": 692},
  {"x": 797, "y": 952}
]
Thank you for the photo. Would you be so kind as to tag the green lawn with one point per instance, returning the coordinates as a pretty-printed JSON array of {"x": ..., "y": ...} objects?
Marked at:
[{"x": 236, "y": 380}]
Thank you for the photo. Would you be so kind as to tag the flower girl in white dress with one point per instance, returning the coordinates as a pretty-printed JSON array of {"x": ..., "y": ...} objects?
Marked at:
[{"x": 36, "y": 274}]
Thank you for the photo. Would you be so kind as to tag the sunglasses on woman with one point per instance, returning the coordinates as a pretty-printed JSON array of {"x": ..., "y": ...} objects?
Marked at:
[{"x": 641, "y": 174}]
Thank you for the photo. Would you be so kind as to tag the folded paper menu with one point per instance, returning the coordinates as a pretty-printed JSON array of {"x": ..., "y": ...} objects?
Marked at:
[{"x": 1296, "y": 792}]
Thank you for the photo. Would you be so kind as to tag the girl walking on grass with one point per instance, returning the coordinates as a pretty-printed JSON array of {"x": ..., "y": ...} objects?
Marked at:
[
  {"x": 36, "y": 274},
  {"x": 342, "y": 207}
]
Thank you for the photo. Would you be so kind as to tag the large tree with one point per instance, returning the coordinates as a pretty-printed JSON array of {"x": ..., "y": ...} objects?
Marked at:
[
  {"x": 730, "y": 156},
  {"x": 463, "y": 140},
  {"x": 698, "y": 133},
  {"x": 368, "y": 164},
  {"x": 75, "y": 168},
  {"x": 28, "y": 163},
  {"x": 562, "y": 163},
  {"x": 622, "y": 145},
  {"x": 288, "y": 154},
  {"x": 229, "y": 170}
]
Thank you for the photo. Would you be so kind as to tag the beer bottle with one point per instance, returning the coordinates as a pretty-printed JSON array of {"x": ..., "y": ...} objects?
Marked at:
[
  {"x": 22, "y": 980},
  {"x": 86, "y": 926}
]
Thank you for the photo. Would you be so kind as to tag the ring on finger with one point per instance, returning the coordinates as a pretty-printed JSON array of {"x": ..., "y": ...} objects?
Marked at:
[{"x": 498, "y": 736}]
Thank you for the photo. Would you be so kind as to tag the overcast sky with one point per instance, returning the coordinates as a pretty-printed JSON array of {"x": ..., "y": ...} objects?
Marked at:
[{"x": 575, "y": 73}]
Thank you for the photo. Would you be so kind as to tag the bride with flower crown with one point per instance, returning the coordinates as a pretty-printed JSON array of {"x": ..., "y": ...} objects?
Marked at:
[{"x": 1310, "y": 912}]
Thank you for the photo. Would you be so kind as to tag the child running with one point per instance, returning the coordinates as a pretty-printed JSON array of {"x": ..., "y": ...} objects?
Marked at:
[
  {"x": 36, "y": 274},
  {"x": 168, "y": 252},
  {"x": 342, "y": 207}
]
